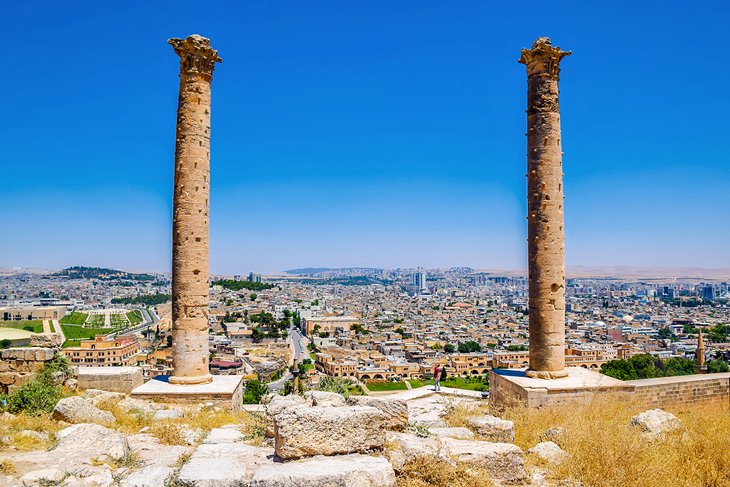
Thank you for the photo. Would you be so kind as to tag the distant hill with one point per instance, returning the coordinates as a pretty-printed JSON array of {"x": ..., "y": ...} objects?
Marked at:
[
  {"x": 101, "y": 273},
  {"x": 309, "y": 271}
]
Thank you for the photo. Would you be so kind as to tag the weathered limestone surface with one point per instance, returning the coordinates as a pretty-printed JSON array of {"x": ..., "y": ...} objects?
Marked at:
[
  {"x": 302, "y": 432},
  {"x": 18, "y": 366},
  {"x": 548, "y": 452},
  {"x": 342, "y": 471},
  {"x": 655, "y": 423},
  {"x": 112, "y": 379},
  {"x": 503, "y": 461},
  {"x": 277, "y": 405},
  {"x": 76, "y": 409},
  {"x": 395, "y": 410},
  {"x": 407, "y": 447},
  {"x": 545, "y": 211},
  {"x": 323, "y": 398},
  {"x": 458, "y": 433},
  {"x": 190, "y": 227},
  {"x": 493, "y": 428},
  {"x": 221, "y": 465}
]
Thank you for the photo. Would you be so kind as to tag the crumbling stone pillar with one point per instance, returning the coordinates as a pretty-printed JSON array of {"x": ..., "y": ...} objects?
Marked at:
[
  {"x": 545, "y": 211},
  {"x": 190, "y": 273}
]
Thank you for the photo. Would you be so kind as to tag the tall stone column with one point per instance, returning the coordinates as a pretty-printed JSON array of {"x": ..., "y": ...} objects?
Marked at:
[
  {"x": 546, "y": 251},
  {"x": 190, "y": 273}
]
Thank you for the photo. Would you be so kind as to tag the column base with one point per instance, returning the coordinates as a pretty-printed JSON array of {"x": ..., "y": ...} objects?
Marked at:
[
  {"x": 223, "y": 390},
  {"x": 201, "y": 379},
  {"x": 546, "y": 374}
]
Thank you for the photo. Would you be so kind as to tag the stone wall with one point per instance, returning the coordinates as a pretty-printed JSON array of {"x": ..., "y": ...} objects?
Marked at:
[
  {"x": 18, "y": 366},
  {"x": 683, "y": 390},
  {"x": 687, "y": 390},
  {"x": 114, "y": 379}
]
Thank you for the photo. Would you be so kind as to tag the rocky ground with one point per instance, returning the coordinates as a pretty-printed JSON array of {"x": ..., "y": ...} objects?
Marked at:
[{"x": 321, "y": 439}]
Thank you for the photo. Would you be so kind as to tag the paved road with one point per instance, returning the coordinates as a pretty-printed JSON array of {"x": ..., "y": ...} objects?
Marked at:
[
  {"x": 57, "y": 328},
  {"x": 300, "y": 349},
  {"x": 297, "y": 342}
]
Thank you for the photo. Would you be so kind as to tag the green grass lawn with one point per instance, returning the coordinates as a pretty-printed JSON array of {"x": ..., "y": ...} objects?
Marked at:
[
  {"x": 76, "y": 333},
  {"x": 134, "y": 317},
  {"x": 416, "y": 383},
  {"x": 470, "y": 383},
  {"x": 75, "y": 318},
  {"x": 377, "y": 386},
  {"x": 34, "y": 326}
]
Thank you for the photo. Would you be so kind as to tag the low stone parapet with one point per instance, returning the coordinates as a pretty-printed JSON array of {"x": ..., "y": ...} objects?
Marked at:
[
  {"x": 113, "y": 379},
  {"x": 512, "y": 388}
]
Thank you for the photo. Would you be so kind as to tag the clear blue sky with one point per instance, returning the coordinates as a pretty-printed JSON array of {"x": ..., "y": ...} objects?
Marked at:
[{"x": 373, "y": 133}]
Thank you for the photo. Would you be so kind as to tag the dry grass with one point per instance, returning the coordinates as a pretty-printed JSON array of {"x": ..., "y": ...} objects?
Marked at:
[
  {"x": 606, "y": 451},
  {"x": 41, "y": 423},
  {"x": 7, "y": 467},
  {"x": 457, "y": 412},
  {"x": 172, "y": 431},
  {"x": 429, "y": 472}
]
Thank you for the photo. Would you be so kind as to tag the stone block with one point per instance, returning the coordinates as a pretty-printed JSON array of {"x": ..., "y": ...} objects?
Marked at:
[
  {"x": 395, "y": 411},
  {"x": 493, "y": 428},
  {"x": 504, "y": 462},
  {"x": 345, "y": 471},
  {"x": 301, "y": 432}
]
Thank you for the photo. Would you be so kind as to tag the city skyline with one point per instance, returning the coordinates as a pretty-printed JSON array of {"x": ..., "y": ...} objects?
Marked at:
[{"x": 356, "y": 154}]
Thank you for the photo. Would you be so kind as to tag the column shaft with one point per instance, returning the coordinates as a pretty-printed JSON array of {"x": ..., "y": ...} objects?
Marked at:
[
  {"x": 545, "y": 232},
  {"x": 190, "y": 226}
]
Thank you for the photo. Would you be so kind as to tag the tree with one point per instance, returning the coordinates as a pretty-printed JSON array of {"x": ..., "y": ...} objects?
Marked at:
[
  {"x": 253, "y": 296},
  {"x": 646, "y": 366},
  {"x": 436, "y": 346},
  {"x": 717, "y": 366},
  {"x": 470, "y": 346},
  {"x": 665, "y": 333},
  {"x": 5, "y": 343},
  {"x": 515, "y": 348},
  {"x": 169, "y": 340},
  {"x": 449, "y": 348}
]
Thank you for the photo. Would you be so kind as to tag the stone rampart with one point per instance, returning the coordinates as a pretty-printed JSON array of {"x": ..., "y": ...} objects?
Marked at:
[{"x": 18, "y": 366}]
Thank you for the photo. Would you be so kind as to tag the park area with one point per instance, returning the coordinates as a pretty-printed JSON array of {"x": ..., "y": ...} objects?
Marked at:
[{"x": 467, "y": 383}]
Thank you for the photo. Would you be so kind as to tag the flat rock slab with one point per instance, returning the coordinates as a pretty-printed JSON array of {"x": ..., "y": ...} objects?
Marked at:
[
  {"x": 224, "y": 435},
  {"x": 458, "y": 433},
  {"x": 221, "y": 465},
  {"x": 149, "y": 477},
  {"x": 341, "y": 471}
]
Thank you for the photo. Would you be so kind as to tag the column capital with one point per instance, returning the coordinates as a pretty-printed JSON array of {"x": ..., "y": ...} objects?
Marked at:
[
  {"x": 543, "y": 58},
  {"x": 196, "y": 55}
]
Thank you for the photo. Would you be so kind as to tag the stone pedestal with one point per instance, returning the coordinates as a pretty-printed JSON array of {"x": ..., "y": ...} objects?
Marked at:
[
  {"x": 512, "y": 387},
  {"x": 223, "y": 390}
]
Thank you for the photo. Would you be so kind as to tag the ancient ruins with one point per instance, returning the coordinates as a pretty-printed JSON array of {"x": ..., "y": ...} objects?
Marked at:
[{"x": 545, "y": 211}]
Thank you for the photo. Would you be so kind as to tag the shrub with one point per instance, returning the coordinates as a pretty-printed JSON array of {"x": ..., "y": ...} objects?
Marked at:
[
  {"x": 335, "y": 384},
  {"x": 254, "y": 391},
  {"x": 36, "y": 397}
]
